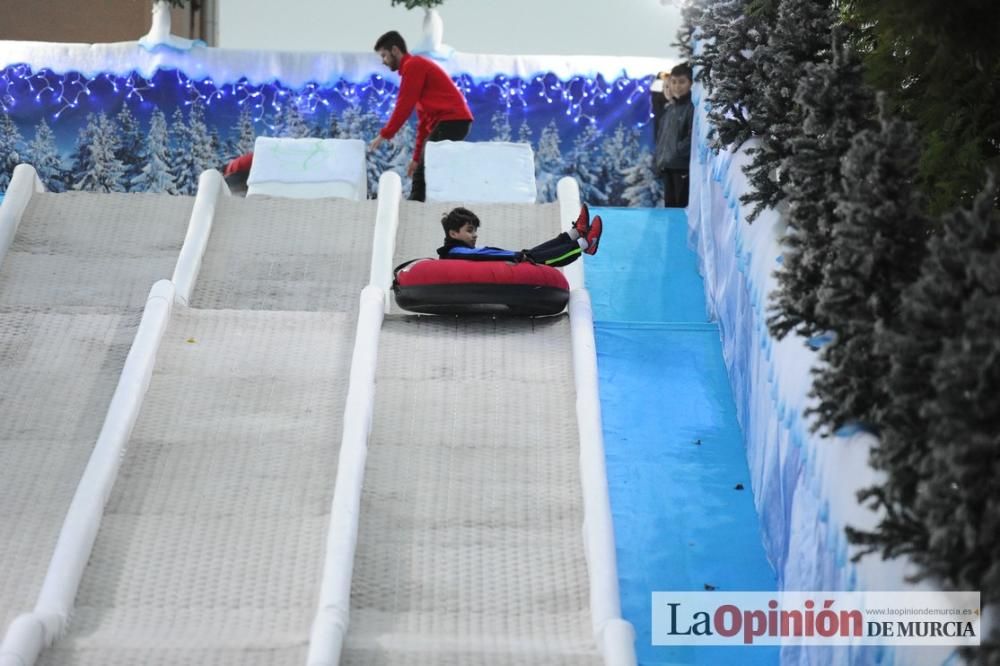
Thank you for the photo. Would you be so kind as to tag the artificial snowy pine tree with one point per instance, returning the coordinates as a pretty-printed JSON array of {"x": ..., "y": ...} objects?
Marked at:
[
  {"x": 130, "y": 145},
  {"x": 692, "y": 20},
  {"x": 875, "y": 252},
  {"x": 940, "y": 437},
  {"x": 732, "y": 98},
  {"x": 800, "y": 36},
  {"x": 548, "y": 163},
  {"x": 501, "y": 126},
  {"x": 836, "y": 106},
  {"x": 103, "y": 172},
  {"x": 155, "y": 175},
  {"x": 44, "y": 156},
  {"x": 10, "y": 150}
]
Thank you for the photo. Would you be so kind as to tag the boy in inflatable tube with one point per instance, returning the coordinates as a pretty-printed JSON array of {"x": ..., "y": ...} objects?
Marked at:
[{"x": 461, "y": 227}]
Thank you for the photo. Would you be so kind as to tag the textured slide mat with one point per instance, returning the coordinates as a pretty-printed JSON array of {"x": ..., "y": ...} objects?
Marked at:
[
  {"x": 470, "y": 549},
  {"x": 211, "y": 548},
  {"x": 71, "y": 285},
  {"x": 286, "y": 254}
]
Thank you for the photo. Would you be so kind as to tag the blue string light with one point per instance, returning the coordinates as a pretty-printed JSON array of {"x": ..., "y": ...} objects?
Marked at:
[{"x": 62, "y": 93}]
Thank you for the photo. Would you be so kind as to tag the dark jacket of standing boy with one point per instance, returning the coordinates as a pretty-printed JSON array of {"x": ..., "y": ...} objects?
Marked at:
[{"x": 673, "y": 143}]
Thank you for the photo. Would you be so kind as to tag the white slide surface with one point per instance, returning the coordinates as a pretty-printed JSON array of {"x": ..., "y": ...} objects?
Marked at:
[{"x": 470, "y": 548}]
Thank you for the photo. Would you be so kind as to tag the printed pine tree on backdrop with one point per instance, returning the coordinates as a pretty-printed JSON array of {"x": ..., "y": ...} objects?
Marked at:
[
  {"x": 155, "y": 175},
  {"x": 130, "y": 145},
  {"x": 800, "y": 36},
  {"x": 103, "y": 171},
  {"x": 940, "y": 436},
  {"x": 836, "y": 106},
  {"x": 10, "y": 150},
  {"x": 875, "y": 251},
  {"x": 246, "y": 133},
  {"x": 548, "y": 162},
  {"x": 44, "y": 156},
  {"x": 500, "y": 124},
  {"x": 585, "y": 165}
]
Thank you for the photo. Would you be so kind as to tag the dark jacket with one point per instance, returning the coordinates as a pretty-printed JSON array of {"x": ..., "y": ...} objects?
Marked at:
[
  {"x": 453, "y": 249},
  {"x": 673, "y": 144}
]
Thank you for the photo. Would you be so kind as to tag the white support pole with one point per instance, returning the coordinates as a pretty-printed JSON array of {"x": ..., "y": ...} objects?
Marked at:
[
  {"x": 569, "y": 207},
  {"x": 329, "y": 627},
  {"x": 211, "y": 185},
  {"x": 23, "y": 184},
  {"x": 30, "y": 633},
  {"x": 386, "y": 223}
]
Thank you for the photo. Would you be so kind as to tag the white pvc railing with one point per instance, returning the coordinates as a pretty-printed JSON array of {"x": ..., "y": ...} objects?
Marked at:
[
  {"x": 210, "y": 186},
  {"x": 387, "y": 222},
  {"x": 568, "y": 193},
  {"x": 615, "y": 637},
  {"x": 23, "y": 184},
  {"x": 329, "y": 627},
  {"x": 31, "y": 632}
]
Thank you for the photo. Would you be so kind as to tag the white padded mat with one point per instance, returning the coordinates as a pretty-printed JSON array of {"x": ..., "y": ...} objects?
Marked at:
[
  {"x": 488, "y": 171},
  {"x": 308, "y": 168}
]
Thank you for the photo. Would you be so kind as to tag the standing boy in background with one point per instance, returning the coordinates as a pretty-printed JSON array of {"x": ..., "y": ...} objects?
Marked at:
[
  {"x": 442, "y": 112},
  {"x": 673, "y": 142}
]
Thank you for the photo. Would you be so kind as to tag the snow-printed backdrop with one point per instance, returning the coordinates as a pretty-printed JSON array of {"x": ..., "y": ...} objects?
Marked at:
[{"x": 112, "y": 126}]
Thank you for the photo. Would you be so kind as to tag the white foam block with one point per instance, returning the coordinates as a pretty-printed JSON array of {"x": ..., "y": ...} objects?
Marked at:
[
  {"x": 308, "y": 168},
  {"x": 489, "y": 172}
]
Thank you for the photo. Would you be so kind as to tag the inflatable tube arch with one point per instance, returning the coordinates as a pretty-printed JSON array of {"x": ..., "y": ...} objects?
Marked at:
[{"x": 457, "y": 286}]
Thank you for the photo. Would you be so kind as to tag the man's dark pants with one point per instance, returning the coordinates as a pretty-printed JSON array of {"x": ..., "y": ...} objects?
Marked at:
[{"x": 446, "y": 130}]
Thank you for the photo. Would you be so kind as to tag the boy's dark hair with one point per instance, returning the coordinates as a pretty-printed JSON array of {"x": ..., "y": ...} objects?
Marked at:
[
  {"x": 390, "y": 39},
  {"x": 682, "y": 69},
  {"x": 457, "y": 218}
]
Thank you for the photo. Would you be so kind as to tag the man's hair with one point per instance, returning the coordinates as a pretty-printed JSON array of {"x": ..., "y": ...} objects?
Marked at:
[
  {"x": 390, "y": 39},
  {"x": 457, "y": 218},
  {"x": 682, "y": 69}
]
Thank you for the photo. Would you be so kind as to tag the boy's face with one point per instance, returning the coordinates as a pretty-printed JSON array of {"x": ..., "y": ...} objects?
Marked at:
[
  {"x": 467, "y": 234},
  {"x": 668, "y": 87},
  {"x": 680, "y": 85}
]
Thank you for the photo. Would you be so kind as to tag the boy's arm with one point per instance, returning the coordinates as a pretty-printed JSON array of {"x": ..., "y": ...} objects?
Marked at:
[{"x": 481, "y": 254}]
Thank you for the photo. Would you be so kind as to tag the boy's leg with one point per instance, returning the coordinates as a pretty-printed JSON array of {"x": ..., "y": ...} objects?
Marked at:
[
  {"x": 559, "y": 251},
  {"x": 682, "y": 183},
  {"x": 668, "y": 189},
  {"x": 675, "y": 188}
]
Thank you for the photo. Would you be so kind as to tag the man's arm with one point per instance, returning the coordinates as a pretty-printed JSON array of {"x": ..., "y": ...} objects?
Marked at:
[
  {"x": 409, "y": 93},
  {"x": 423, "y": 131}
]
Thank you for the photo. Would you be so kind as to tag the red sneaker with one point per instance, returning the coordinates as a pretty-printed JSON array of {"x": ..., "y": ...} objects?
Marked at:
[
  {"x": 594, "y": 235},
  {"x": 582, "y": 224}
]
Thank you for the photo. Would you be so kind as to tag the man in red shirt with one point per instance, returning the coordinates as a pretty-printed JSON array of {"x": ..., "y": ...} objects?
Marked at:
[{"x": 442, "y": 112}]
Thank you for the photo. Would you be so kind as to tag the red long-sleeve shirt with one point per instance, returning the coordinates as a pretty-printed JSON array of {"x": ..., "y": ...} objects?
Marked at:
[{"x": 429, "y": 88}]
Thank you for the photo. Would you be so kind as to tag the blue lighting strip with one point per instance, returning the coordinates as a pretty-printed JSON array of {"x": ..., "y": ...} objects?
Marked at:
[{"x": 578, "y": 98}]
